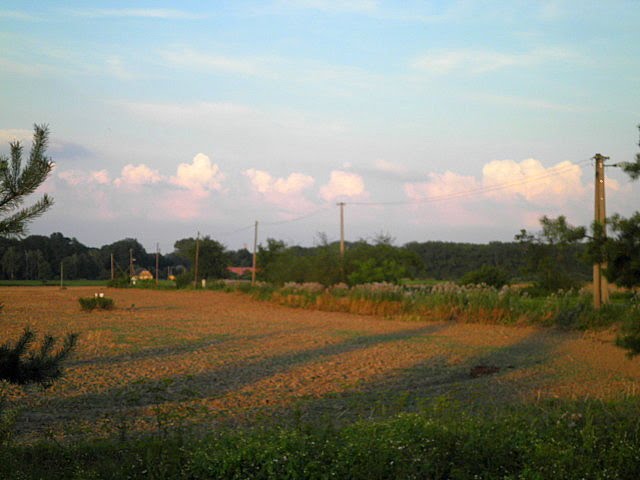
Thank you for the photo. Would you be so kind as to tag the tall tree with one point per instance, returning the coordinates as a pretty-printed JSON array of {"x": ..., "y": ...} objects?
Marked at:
[
  {"x": 213, "y": 258},
  {"x": 10, "y": 261},
  {"x": 632, "y": 168},
  {"x": 17, "y": 182},
  {"x": 551, "y": 259}
]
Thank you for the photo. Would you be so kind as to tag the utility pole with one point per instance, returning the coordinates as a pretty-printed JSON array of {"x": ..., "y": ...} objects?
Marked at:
[
  {"x": 341, "y": 205},
  {"x": 600, "y": 283},
  {"x": 255, "y": 248},
  {"x": 131, "y": 260},
  {"x": 157, "y": 262},
  {"x": 195, "y": 273},
  {"x": 113, "y": 270}
]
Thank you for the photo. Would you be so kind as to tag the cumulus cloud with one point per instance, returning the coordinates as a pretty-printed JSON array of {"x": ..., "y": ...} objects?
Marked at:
[
  {"x": 531, "y": 181},
  {"x": 263, "y": 182},
  {"x": 138, "y": 175},
  {"x": 343, "y": 184},
  {"x": 285, "y": 192},
  {"x": 13, "y": 134},
  {"x": 74, "y": 177},
  {"x": 440, "y": 185},
  {"x": 521, "y": 190},
  {"x": 200, "y": 176},
  {"x": 100, "y": 177},
  {"x": 506, "y": 180},
  {"x": 385, "y": 166}
]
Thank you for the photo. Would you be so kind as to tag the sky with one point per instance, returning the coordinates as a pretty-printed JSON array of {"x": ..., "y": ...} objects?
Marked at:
[{"x": 434, "y": 120}]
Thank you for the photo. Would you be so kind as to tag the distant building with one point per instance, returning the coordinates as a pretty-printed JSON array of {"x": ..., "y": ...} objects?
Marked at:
[
  {"x": 142, "y": 274},
  {"x": 240, "y": 271}
]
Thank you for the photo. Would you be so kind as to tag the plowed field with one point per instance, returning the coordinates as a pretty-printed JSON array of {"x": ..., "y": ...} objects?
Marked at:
[{"x": 172, "y": 359}]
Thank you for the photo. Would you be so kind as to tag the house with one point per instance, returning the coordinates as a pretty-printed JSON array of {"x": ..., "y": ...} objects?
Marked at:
[
  {"x": 142, "y": 274},
  {"x": 240, "y": 271}
]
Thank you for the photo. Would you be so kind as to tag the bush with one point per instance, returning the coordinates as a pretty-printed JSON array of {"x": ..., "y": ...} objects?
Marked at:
[
  {"x": 184, "y": 280},
  {"x": 19, "y": 364},
  {"x": 119, "y": 282},
  {"x": 487, "y": 274},
  {"x": 98, "y": 302}
]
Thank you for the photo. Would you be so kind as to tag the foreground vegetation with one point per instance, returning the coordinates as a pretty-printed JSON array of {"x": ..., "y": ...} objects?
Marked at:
[
  {"x": 448, "y": 301},
  {"x": 550, "y": 440},
  {"x": 186, "y": 384}
]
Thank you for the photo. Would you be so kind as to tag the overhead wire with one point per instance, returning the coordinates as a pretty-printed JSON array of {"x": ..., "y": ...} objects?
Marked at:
[
  {"x": 478, "y": 190},
  {"x": 434, "y": 198}
]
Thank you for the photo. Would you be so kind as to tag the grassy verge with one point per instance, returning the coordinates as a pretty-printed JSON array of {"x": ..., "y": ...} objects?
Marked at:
[
  {"x": 551, "y": 440},
  {"x": 448, "y": 301}
]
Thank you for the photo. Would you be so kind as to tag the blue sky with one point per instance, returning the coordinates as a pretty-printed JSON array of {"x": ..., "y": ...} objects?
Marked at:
[{"x": 462, "y": 121}]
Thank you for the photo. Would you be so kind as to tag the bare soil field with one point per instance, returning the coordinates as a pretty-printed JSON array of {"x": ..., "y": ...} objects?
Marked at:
[{"x": 170, "y": 359}]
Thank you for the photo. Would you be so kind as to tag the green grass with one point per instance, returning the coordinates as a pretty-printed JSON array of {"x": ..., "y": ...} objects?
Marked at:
[{"x": 550, "y": 440}]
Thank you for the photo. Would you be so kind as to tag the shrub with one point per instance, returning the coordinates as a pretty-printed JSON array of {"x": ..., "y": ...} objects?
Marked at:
[
  {"x": 184, "y": 280},
  {"x": 19, "y": 364},
  {"x": 119, "y": 282},
  {"x": 97, "y": 302},
  {"x": 487, "y": 274}
]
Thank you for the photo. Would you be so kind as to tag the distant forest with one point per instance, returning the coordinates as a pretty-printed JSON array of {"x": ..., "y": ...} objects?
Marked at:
[{"x": 39, "y": 257}]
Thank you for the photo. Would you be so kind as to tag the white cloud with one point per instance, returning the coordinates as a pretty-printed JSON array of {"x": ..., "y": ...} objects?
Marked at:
[
  {"x": 200, "y": 176},
  {"x": 116, "y": 68},
  {"x": 531, "y": 181},
  {"x": 263, "y": 182},
  {"x": 72, "y": 177},
  {"x": 483, "y": 61},
  {"x": 138, "y": 175},
  {"x": 13, "y": 134},
  {"x": 356, "y": 6},
  {"x": 528, "y": 103},
  {"x": 100, "y": 177},
  {"x": 163, "y": 13},
  {"x": 185, "y": 57},
  {"x": 17, "y": 15},
  {"x": 505, "y": 180},
  {"x": 385, "y": 166},
  {"x": 285, "y": 192},
  {"x": 343, "y": 184},
  {"x": 440, "y": 185}
]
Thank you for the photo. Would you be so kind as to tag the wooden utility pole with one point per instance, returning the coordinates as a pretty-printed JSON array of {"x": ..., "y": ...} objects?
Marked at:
[
  {"x": 195, "y": 273},
  {"x": 600, "y": 284},
  {"x": 341, "y": 205},
  {"x": 157, "y": 262},
  {"x": 255, "y": 248},
  {"x": 131, "y": 259}
]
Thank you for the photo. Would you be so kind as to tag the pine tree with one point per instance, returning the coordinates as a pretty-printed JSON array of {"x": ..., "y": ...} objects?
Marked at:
[
  {"x": 17, "y": 182},
  {"x": 20, "y": 363}
]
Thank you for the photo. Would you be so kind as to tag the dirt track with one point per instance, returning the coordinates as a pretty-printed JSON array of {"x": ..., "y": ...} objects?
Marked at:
[{"x": 169, "y": 358}]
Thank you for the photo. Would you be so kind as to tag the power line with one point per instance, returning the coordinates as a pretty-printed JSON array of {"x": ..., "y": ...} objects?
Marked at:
[
  {"x": 471, "y": 192},
  {"x": 297, "y": 219}
]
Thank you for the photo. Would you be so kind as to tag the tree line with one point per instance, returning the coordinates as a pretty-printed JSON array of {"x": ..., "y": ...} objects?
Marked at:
[{"x": 39, "y": 257}]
